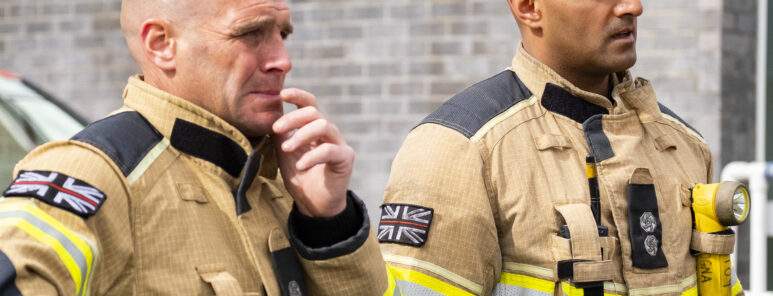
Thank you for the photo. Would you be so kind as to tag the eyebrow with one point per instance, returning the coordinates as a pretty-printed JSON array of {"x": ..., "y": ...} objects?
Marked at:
[{"x": 260, "y": 23}]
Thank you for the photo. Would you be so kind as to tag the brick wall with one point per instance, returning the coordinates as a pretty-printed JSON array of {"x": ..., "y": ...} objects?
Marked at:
[
  {"x": 72, "y": 48},
  {"x": 378, "y": 67}
]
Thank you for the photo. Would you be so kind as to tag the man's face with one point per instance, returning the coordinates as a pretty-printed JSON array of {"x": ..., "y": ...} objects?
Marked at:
[
  {"x": 234, "y": 61},
  {"x": 592, "y": 36}
]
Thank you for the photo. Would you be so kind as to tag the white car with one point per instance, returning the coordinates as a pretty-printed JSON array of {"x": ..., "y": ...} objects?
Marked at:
[{"x": 29, "y": 117}]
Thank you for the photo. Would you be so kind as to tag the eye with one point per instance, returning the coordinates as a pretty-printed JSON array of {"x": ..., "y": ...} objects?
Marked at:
[{"x": 285, "y": 34}]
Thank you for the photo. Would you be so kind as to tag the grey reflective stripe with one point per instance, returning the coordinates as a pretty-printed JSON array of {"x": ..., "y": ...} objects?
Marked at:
[
  {"x": 508, "y": 290},
  {"x": 412, "y": 289},
  {"x": 76, "y": 254}
]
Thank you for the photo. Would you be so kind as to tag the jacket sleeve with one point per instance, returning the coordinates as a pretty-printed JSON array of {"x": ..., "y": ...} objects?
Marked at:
[
  {"x": 65, "y": 206},
  {"x": 339, "y": 254},
  {"x": 437, "y": 229}
]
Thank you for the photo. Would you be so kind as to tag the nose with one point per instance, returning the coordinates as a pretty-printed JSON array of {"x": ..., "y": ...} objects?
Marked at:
[
  {"x": 629, "y": 7},
  {"x": 277, "y": 59}
]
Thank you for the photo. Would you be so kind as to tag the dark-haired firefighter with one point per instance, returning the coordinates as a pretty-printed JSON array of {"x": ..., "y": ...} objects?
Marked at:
[
  {"x": 562, "y": 175},
  {"x": 200, "y": 184}
]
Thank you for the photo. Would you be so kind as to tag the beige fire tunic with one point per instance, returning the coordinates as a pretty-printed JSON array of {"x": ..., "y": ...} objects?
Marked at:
[
  {"x": 481, "y": 189},
  {"x": 153, "y": 200}
]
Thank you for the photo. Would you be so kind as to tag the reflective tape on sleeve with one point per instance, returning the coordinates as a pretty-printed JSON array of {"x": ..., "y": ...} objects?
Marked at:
[
  {"x": 411, "y": 282},
  {"x": 75, "y": 253},
  {"x": 437, "y": 270}
]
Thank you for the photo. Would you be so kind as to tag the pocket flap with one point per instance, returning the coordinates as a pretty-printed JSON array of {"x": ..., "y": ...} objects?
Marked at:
[
  {"x": 665, "y": 142},
  {"x": 549, "y": 141},
  {"x": 191, "y": 192},
  {"x": 221, "y": 281}
]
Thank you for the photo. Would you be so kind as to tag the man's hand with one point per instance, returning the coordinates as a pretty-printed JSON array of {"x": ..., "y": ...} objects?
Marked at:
[{"x": 315, "y": 161}]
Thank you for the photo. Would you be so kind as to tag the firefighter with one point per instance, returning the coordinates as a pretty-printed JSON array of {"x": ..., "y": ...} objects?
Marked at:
[
  {"x": 199, "y": 184},
  {"x": 562, "y": 175}
]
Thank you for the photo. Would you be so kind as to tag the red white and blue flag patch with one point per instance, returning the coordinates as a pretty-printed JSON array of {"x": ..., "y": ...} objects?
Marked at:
[
  {"x": 58, "y": 190},
  {"x": 404, "y": 224}
]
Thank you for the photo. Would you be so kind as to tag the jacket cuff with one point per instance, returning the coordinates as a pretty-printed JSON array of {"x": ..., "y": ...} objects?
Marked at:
[{"x": 326, "y": 238}]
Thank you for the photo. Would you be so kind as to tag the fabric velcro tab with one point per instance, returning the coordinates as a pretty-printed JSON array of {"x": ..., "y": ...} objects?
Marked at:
[
  {"x": 584, "y": 233},
  {"x": 562, "y": 248},
  {"x": 277, "y": 240},
  {"x": 641, "y": 176},
  {"x": 550, "y": 141},
  {"x": 713, "y": 243},
  {"x": 599, "y": 271},
  {"x": 191, "y": 192},
  {"x": 221, "y": 281},
  {"x": 665, "y": 142}
]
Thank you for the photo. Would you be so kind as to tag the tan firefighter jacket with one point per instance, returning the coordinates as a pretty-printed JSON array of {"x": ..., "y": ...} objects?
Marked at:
[
  {"x": 489, "y": 195},
  {"x": 154, "y": 200}
]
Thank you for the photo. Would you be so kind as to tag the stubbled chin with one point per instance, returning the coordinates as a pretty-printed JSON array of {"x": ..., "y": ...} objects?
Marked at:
[{"x": 257, "y": 125}]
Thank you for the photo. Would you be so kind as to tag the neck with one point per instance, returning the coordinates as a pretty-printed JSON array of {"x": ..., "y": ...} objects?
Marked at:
[
  {"x": 595, "y": 83},
  {"x": 598, "y": 84}
]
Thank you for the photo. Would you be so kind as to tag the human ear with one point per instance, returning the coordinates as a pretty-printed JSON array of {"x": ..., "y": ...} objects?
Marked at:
[
  {"x": 527, "y": 13},
  {"x": 158, "y": 45}
]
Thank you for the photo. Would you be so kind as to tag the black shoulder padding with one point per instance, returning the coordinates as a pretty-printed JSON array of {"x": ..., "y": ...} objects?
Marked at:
[
  {"x": 7, "y": 277},
  {"x": 469, "y": 110},
  {"x": 665, "y": 110},
  {"x": 125, "y": 137}
]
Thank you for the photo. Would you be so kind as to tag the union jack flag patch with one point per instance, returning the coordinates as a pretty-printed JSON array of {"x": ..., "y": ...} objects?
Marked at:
[
  {"x": 404, "y": 224},
  {"x": 58, "y": 190}
]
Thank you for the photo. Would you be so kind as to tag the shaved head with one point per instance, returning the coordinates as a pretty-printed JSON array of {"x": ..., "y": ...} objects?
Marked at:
[
  {"x": 136, "y": 12},
  {"x": 226, "y": 56}
]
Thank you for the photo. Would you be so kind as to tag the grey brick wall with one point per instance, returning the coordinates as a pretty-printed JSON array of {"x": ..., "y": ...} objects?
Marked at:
[
  {"x": 72, "y": 48},
  {"x": 411, "y": 55},
  {"x": 378, "y": 67}
]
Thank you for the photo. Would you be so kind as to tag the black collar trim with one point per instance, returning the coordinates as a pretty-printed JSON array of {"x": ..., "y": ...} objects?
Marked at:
[
  {"x": 208, "y": 145},
  {"x": 558, "y": 100}
]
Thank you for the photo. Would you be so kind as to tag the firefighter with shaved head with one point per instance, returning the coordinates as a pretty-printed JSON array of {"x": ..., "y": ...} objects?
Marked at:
[{"x": 200, "y": 184}]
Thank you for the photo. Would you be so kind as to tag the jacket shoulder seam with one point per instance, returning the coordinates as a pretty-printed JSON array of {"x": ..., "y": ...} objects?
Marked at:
[{"x": 470, "y": 109}]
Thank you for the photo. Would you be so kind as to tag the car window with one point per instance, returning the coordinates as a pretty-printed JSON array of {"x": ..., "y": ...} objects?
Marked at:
[
  {"x": 48, "y": 121},
  {"x": 13, "y": 147}
]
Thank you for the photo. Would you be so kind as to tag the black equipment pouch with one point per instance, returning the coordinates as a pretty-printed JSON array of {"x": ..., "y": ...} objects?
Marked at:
[{"x": 646, "y": 231}]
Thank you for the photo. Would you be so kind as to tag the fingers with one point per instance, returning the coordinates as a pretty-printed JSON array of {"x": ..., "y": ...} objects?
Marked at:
[
  {"x": 298, "y": 97},
  {"x": 339, "y": 157},
  {"x": 296, "y": 119},
  {"x": 320, "y": 130}
]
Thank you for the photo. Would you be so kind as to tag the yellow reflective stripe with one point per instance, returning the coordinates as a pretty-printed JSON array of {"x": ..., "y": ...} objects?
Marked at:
[
  {"x": 51, "y": 232},
  {"x": 412, "y": 276},
  {"x": 691, "y": 292},
  {"x": 527, "y": 282},
  {"x": 446, "y": 274},
  {"x": 79, "y": 242},
  {"x": 390, "y": 291}
]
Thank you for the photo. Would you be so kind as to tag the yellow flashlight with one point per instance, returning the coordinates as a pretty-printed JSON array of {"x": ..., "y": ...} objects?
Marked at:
[{"x": 716, "y": 207}]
